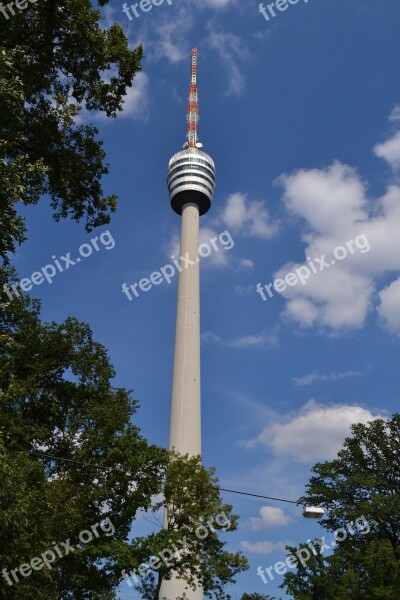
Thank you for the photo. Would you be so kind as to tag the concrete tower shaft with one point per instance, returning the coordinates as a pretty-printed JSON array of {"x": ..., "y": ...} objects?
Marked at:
[{"x": 185, "y": 424}]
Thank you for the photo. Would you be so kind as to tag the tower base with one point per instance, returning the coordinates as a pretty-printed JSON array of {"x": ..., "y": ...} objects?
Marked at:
[{"x": 173, "y": 589}]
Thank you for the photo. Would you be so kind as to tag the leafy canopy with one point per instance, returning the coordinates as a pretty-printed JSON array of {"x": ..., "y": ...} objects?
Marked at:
[
  {"x": 363, "y": 482},
  {"x": 57, "y": 57},
  {"x": 196, "y": 516},
  {"x": 69, "y": 454}
]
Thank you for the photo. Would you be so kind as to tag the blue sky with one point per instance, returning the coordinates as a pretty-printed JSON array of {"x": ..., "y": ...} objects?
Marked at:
[{"x": 301, "y": 115}]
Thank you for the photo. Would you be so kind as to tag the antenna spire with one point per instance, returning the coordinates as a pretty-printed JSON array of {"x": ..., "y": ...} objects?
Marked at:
[{"x": 193, "y": 105}]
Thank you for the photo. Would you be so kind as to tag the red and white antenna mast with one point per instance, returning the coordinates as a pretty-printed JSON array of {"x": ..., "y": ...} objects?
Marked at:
[{"x": 193, "y": 105}]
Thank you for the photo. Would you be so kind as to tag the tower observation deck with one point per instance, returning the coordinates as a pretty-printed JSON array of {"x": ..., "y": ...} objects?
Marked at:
[{"x": 191, "y": 178}]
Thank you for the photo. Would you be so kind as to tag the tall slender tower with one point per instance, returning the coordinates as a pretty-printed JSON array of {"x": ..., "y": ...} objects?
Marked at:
[{"x": 191, "y": 183}]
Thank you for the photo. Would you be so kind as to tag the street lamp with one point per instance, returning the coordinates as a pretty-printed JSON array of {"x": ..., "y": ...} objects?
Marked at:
[{"x": 313, "y": 512}]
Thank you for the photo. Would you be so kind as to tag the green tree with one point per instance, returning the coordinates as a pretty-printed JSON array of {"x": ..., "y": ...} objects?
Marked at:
[
  {"x": 360, "y": 490},
  {"x": 363, "y": 480},
  {"x": 70, "y": 456},
  {"x": 356, "y": 570},
  {"x": 196, "y": 516},
  {"x": 57, "y": 57}
]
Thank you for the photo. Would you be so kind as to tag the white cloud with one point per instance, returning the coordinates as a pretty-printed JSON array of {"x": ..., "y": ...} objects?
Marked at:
[
  {"x": 234, "y": 213},
  {"x": 265, "y": 339},
  {"x": 263, "y": 547},
  {"x": 248, "y": 341},
  {"x": 330, "y": 200},
  {"x": 168, "y": 35},
  {"x": 219, "y": 3},
  {"x": 315, "y": 376},
  {"x": 231, "y": 50},
  {"x": 337, "y": 299},
  {"x": 314, "y": 433},
  {"x": 335, "y": 209},
  {"x": 209, "y": 336},
  {"x": 245, "y": 264},
  {"x": 270, "y": 516},
  {"x": 390, "y": 151},
  {"x": 246, "y": 217},
  {"x": 389, "y": 307},
  {"x": 395, "y": 114},
  {"x": 302, "y": 310}
]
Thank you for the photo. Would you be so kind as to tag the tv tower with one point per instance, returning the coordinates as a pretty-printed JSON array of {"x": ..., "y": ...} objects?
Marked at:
[{"x": 191, "y": 183}]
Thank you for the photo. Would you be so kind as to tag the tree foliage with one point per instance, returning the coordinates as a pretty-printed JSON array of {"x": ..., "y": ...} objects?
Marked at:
[
  {"x": 56, "y": 57},
  {"x": 70, "y": 456},
  {"x": 192, "y": 499},
  {"x": 362, "y": 482},
  {"x": 356, "y": 570}
]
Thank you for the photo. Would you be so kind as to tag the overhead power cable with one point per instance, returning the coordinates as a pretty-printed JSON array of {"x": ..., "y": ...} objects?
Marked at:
[
  {"x": 88, "y": 464},
  {"x": 259, "y": 496}
]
